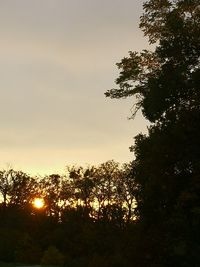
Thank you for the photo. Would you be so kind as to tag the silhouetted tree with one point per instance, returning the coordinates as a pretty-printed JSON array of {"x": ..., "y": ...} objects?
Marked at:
[
  {"x": 23, "y": 189},
  {"x": 105, "y": 188},
  {"x": 82, "y": 184},
  {"x": 50, "y": 188},
  {"x": 5, "y": 184},
  {"x": 126, "y": 189},
  {"x": 16, "y": 187},
  {"x": 165, "y": 83}
]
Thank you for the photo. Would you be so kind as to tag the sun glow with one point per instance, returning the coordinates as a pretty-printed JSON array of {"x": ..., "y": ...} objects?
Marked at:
[{"x": 38, "y": 203}]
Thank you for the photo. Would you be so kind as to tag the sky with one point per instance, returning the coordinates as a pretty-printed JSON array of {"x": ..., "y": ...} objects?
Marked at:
[{"x": 57, "y": 59}]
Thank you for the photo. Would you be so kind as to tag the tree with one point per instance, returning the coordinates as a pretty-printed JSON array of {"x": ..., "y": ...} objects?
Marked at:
[
  {"x": 105, "y": 188},
  {"x": 16, "y": 187},
  {"x": 126, "y": 188},
  {"x": 5, "y": 184},
  {"x": 165, "y": 84},
  {"x": 82, "y": 183},
  {"x": 164, "y": 81},
  {"x": 50, "y": 188},
  {"x": 23, "y": 189}
]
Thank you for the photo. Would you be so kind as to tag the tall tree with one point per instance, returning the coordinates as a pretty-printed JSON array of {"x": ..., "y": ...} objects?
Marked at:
[{"x": 165, "y": 83}]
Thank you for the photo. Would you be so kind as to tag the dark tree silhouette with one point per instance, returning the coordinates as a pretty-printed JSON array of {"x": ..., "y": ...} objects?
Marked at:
[
  {"x": 16, "y": 187},
  {"x": 85, "y": 213},
  {"x": 165, "y": 84}
]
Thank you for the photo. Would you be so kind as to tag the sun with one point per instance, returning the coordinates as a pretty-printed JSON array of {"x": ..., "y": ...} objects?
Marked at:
[{"x": 38, "y": 203}]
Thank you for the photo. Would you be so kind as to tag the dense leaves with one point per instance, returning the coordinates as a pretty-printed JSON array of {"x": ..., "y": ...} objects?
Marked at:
[
  {"x": 166, "y": 86},
  {"x": 164, "y": 81}
]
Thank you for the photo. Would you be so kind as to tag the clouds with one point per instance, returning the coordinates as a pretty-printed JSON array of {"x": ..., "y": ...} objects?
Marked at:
[{"x": 57, "y": 58}]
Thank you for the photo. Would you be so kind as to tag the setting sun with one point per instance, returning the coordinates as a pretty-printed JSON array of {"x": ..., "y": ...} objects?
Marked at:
[{"x": 38, "y": 203}]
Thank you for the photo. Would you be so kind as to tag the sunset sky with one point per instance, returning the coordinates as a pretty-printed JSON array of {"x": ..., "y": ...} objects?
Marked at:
[{"x": 57, "y": 58}]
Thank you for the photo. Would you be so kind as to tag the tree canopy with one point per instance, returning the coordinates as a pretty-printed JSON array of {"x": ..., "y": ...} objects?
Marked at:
[
  {"x": 164, "y": 81},
  {"x": 165, "y": 85}
]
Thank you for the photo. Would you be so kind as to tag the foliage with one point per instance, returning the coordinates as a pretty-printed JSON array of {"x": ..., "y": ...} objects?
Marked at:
[
  {"x": 52, "y": 256},
  {"x": 86, "y": 210},
  {"x": 165, "y": 84},
  {"x": 16, "y": 187}
]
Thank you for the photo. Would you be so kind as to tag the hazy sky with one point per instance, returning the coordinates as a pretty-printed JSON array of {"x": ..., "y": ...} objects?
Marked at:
[{"x": 57, "y": 58}]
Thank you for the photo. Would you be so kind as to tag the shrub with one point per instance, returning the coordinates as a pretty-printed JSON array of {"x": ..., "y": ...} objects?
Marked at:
[{"x": 52, "y": 256}]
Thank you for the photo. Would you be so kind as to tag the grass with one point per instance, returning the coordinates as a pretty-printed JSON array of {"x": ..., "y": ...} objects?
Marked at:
[{"x": 6, "y": 264}]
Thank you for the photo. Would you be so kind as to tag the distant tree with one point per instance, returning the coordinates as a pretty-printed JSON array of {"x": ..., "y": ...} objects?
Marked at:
[
  {"x": 82, "y": 183},
  {"x": 126, "y": 188},
  {"x": 23, "y": 189},
  {"x": 100, "y": 192},
  {"x": 66, "y": 193},
  {"x": 49, "y": 189},
  {"x": 5, "y": 184},
  {"x": 105, "y": 188},
  {"x": 16, "y": 187}
]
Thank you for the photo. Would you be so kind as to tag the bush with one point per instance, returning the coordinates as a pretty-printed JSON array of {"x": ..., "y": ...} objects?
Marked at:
[{"x": 52, "y": 256}]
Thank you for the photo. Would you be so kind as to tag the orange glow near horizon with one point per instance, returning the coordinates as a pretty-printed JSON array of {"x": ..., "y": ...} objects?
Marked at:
[{"x": 38, "y": 203}]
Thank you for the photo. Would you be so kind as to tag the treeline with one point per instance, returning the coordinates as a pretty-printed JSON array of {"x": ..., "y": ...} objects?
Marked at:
[
  {"x": 83, "y": 222},
  {"x": 105, "y": 192}
]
